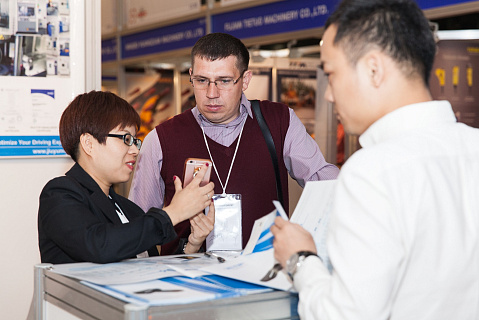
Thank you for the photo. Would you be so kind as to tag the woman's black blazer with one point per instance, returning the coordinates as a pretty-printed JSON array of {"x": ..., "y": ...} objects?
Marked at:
[{"x": 77, "y": 222}]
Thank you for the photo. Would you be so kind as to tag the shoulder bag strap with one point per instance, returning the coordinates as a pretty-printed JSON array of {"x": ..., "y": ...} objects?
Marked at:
[{"x": 269, "y": 142}]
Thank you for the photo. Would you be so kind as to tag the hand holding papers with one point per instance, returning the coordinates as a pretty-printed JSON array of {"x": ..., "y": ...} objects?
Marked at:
[{"x": 256, "y": 262}]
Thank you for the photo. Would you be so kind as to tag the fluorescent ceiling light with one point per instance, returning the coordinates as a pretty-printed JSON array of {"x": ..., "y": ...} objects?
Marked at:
[{"x": 458, "y": 35}]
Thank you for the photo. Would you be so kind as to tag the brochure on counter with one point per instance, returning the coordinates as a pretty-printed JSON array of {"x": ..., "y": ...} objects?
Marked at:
[
  {"x": 179, "y": 290},
  {"x": 201, "y": 277},
  {"x": 136, "y": 270}
]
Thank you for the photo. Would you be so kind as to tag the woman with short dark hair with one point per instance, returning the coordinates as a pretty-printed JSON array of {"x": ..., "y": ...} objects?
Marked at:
[{"x": 81, "y": 218}]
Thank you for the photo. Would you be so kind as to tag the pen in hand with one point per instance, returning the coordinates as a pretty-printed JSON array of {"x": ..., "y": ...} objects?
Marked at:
[{"x": 213, "y": 255}]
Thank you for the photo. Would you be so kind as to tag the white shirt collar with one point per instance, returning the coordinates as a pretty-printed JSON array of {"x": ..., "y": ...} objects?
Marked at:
[{"x": 405, "y": 119}]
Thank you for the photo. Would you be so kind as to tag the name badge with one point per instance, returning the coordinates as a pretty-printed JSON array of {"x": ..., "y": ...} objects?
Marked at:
[{"x": 227, "y": 233}]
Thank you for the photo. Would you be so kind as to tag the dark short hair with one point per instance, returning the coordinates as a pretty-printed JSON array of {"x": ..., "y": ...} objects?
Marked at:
[
  {"x": 96, "y": 113},
  {"x": 397, "y": 27},
  {"x": 218, "y": 45}
]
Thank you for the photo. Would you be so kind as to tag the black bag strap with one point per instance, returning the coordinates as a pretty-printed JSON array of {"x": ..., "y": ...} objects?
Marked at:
[{"x": 269, "y": 142}]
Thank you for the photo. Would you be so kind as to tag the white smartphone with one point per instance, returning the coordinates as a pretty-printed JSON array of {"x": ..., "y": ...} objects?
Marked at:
[{"x": 192, "y": 166}]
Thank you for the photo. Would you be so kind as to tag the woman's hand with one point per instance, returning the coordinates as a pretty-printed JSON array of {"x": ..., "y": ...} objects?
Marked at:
[
  {"x": 190, "y": 200},
  {"x": 201, "y": 226}
]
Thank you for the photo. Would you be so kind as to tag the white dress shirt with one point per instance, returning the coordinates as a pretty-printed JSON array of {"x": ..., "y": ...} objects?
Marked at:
[{"x": 404, "y": 232}]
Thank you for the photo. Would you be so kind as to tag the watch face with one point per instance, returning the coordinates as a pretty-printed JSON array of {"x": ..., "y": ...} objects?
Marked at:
[
  {"x": 295, "y": 260},
  {"x": 291, "y": 264}
]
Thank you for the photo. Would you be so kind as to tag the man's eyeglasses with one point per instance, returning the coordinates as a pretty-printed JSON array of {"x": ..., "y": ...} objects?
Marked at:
[
  {"x": 128, "y": 139},
  {"x": 221, "y": 84}
]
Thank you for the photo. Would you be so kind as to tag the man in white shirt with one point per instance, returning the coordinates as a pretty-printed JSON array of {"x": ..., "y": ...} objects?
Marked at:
[{"x": 404, "y": 231}]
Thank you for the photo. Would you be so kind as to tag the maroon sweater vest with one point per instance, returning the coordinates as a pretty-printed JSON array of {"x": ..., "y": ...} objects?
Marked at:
[{"x": 252, "y": 174}]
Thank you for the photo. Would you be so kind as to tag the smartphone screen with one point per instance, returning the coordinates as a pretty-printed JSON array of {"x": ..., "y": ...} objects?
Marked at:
[{"x": 192, "y": 166}]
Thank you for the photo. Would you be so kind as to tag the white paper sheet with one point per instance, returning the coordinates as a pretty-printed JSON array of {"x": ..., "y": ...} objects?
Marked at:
[
  {"x": 136, "y": 270},
  {"x": 179, "y": 290},
  {"x": 313, "y": 212},
  {"x": 252, "y": 268},
  {"x": 261, "y": 238}
]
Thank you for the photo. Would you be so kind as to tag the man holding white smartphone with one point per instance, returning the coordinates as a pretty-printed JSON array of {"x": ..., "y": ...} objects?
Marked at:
[{"x": 223, "y": 129}]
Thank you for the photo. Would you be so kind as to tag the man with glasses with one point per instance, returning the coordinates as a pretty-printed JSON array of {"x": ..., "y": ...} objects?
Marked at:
[{"x": 223, "y": 128}]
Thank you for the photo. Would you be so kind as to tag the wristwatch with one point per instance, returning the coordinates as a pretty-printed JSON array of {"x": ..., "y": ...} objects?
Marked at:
[{"x": 296, "y": 260}]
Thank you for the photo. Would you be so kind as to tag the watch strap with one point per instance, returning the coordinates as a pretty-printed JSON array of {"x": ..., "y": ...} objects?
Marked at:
[
  {"x": 299, "y": 257},
  {"x": 306, "y": 254}
]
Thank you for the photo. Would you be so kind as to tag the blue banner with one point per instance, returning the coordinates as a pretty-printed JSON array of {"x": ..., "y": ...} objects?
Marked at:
[
  {"x": 37, "y": 146},
  {"x": 274, "y": 18},
  {"x": 433, "y": 4},
  {"x": 268, "y": 19},
  {"x": 289, "y": 16},
  {"x": 108, "y": 50},
  {"x": 182, "y": 35}
]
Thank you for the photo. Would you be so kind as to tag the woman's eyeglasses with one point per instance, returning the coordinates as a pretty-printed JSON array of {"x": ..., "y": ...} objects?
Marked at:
[{"x": 128, "y": 139}]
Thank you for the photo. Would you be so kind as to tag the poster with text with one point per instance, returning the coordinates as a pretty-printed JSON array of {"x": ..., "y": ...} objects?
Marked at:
[{"x": 35, "y": 76}]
